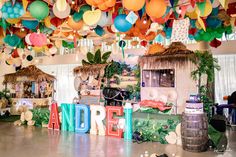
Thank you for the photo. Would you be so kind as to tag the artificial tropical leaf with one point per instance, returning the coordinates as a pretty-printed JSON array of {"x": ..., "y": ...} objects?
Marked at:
[
  {"x": 97, "y": 57},
  {"x": 90, "y": 57},
  {"x": 106, "y": 55},
  {"x": 84, "y": 62}
]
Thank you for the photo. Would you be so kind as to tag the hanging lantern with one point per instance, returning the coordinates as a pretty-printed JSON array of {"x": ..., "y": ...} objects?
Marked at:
[
  {"x": 122, "y": 45},
  {"x": 143, "y": 43}
]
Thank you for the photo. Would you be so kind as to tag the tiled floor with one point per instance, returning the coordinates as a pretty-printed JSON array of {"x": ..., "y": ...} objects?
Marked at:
[{"x": 37, "y": 142}]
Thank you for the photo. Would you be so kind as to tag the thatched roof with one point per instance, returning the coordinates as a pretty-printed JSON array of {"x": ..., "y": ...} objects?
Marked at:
[
  {"x": 95, "y": 69},
  {"x": 176, "y": 53},
  {"x": 30, "y": 73}
]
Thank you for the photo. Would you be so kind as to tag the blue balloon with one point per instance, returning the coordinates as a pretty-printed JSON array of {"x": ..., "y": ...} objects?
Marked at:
[
  {"x": 213, "y": 22},
  {"x": 30, "y": 24},
  {"x": 121, "y": 24}
]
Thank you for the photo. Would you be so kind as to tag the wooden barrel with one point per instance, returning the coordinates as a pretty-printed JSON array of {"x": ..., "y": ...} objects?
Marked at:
[{"x": 194, "y": 132}]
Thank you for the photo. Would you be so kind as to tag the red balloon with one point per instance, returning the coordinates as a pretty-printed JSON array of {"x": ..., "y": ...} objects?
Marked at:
[
  {"x": 192, "y": 31},
  {"x": 56, "y": 21}
]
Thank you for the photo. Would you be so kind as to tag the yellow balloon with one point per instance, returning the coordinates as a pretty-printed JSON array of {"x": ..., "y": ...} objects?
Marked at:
[
  {"x": 47, "y": 22},
  {"x": 13, "y": 21}
]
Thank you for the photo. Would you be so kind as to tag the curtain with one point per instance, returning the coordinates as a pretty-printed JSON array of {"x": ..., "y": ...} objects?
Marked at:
[
  {"x": 225, "y": 79},
  {"x": 64, "y": 84}
]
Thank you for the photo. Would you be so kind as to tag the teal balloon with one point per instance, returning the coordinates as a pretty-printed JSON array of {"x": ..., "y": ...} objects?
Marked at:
[
  {"x": 121, "y": 24},
  {"x": 12, "y": 40},
  {"x": 85, "y": 8},
  {"x": 30, "y": 24},
  {"x": 99, "y": 30},
  {"x": 78, "y": 16},
  {"x": 39, "y": 10}
]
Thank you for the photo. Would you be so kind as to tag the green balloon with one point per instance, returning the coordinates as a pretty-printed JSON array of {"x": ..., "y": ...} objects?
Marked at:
[{"x": 39, "y": 10}]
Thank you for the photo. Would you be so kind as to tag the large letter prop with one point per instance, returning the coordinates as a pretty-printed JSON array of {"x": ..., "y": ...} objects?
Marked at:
[
  {"x": 128, "y": 121},
  {"x": 68, "y": 115},
  {"x": 79, "y": 109},
  {"x": 112, "y": 123},
  {"x": 54, "y": 122},
  {"x": 98, "y": 114}
]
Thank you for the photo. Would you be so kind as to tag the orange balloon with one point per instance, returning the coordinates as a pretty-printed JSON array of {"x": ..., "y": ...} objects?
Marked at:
[
  {"x": 98, "y": 1},
  {"x": 156, "y": 8},
  {"x": 110, "y": 3},
  {"x": 144, "y": 23},
  {"x": 20, "y": 33},
  {"x": 133, "y": 5},
  {"x": 75, "y": 25},
  {"x": 102, "y": 6},
  {"x": 90, "y": 2}
]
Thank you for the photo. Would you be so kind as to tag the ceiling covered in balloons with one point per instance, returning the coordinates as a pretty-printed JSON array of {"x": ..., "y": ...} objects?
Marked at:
[{"x": 45, "y": 25}]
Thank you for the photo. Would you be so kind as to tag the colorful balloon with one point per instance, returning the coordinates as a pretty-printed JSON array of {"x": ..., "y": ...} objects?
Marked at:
[
  {"x": 30, "y": 24},
  {"x": 156, "y": 8},
  {"x": 39, "y": 10},
  {"x": 121, "y": 24},
  {"x": 75, "y": 25}
]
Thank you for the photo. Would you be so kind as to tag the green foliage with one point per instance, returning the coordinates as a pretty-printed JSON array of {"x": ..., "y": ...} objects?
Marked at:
[
  {"x": 97, "y": 58},
  {"x": 90, "y": 57},
  {"x": 206, "y": 65},
  {"x": 155, "y": 131},
  {"x": 112, "y": 69},
  {"x": 40, "y": 116}
]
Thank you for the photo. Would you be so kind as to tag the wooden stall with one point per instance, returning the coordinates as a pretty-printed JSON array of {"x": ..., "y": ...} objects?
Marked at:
[
  {"x": 166, "y": 75},
  {"x": 30, "y": 87}
]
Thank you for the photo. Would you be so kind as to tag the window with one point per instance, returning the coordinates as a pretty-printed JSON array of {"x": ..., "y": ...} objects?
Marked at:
[{"x": 158, "y": 78}]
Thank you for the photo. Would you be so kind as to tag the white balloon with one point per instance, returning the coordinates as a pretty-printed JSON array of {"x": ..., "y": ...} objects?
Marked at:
[
  {"x": 105, "y": 19},
  {"x": 61, "y": 5},
  {"x": 215, "y": 4},
  {"x": 27, "y": 39},
  {"x": 61, "y": 14}
]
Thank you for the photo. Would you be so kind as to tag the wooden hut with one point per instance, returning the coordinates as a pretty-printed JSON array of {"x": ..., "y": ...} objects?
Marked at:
[
  {"x": 166, "y": 76},
  {"x": 31, "y": 87}
]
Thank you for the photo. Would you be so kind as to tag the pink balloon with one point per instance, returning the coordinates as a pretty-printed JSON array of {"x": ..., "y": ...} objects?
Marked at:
[{"x": 38, "y": 39}]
